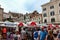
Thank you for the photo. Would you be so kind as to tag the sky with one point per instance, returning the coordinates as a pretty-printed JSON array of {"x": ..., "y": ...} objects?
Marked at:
[{"x": 22, "y": 6}]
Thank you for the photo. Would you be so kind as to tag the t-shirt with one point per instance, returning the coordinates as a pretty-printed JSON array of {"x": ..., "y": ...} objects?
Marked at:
[
  {"x": 43, "y": 35},
  {"x": 19, "y": 37},
  {"x": 23, "y": 33},
  {"x": 54, "y": 31},
  {"x": 36, "y": 34},
  {"x": 4, "y": 30},
  {"x": 39, "y": 32}
]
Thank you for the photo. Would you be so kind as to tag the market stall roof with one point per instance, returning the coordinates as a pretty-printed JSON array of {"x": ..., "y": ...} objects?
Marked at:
[
  {"x": 57, "y": 26},
  {"x": 42, "y": 25},
  {"x": 16, "y": 23},
  {"x": 33, "y": 24},
  {"x": 51, "y": 26},
  {"x": 2, "y": 25},
  {"x": 20, "y": 24},
  {"x": 1, "y": 22}
]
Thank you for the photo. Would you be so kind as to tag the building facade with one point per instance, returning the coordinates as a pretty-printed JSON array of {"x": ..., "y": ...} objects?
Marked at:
[
  {"x": 19, "y": 17},
  {"x": 51, "y": 12},
  {"x": 36, "y": 16},
  {"x": 1, "y": 13},
  {"x": 16, "y": 17}
]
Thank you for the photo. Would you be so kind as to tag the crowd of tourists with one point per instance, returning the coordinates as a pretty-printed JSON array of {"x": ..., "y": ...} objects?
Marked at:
[{"x": 42, "y": 33}]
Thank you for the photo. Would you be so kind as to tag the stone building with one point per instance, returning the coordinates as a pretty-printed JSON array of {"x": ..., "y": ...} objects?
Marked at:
[
  {"x": 51, "y": 12},
  {"x": 1, "y": 13}
]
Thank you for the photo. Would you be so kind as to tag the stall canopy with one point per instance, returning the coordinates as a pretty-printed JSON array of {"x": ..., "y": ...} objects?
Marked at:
[
  {"x": 51, "y": 25},
  {"x": 20, "y": 24},
  {"x": 33, "y": 23},
  {"x": 9, "y": 24},
  {"x": 16, "y": 23},
  {"x": 43, "y": 25},
  {"x": 57, "y": 26}
]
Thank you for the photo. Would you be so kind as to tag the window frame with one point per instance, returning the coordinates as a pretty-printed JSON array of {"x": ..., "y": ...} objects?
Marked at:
[
  {"x": 45, "y": 15},
  {"x": 53, "y": 20},
  {"x": 45, "y": 20},
  {"x": 52, "y": 13},
  {"x": 52, "y": 7},
  {"x": 44, "y": 9}
]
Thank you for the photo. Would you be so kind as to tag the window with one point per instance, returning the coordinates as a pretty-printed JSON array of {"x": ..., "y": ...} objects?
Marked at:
[
  {"x": 39, "y": 22},
  {"x": 51, "y": 7},
  {"x": 59, "y": 4},
  {"x": 53, "y": 20},
  {"x": 59, "y": 11},
  {"x": 44, "y": 9},
  {"x": 45, "y": 15},
  {"x": 39, "y": 18},
  {"x": 52, "y": 13},
  {"x": 45, "y": 21}
]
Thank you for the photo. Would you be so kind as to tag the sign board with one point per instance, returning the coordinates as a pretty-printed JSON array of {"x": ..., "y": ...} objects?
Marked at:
[{"x": 10, "y": 24}]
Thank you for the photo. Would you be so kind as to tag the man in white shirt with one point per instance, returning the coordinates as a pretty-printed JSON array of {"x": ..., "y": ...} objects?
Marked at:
[{"x": 23, "y": 33}]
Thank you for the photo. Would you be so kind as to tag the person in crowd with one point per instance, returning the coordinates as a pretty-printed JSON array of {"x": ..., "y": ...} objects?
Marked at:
[
  {"x": 50, "y": 36},
  {"x": 42, "y": 34},
  {"x": 35, "y": 34},
  {"x": 23, "y": 33},
  {"x": 11, "y": 36},
  {"x": 8, "y": 35},
  {"x": 17, "y": 36},
  {"x": 58, "y": 35},
  {"x": 4, "y": 32},
  {"x": 29, "y": 34},
  {"x": 0, "y": 36},
  {"x": 55, "y": 32}
]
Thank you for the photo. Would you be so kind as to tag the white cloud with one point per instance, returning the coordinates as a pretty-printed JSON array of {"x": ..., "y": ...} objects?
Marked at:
[{"x": 22, "y": 6}]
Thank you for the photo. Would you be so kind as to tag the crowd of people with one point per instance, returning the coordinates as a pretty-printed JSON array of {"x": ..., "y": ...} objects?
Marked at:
[{"x": 42, "y": 33}]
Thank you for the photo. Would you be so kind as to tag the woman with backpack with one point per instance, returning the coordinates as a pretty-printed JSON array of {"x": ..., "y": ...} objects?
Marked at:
[{"x": 50, "y": 35}]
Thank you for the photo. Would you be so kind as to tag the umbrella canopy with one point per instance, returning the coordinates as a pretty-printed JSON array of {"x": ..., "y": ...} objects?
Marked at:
[
  {"x": 9, "y": 24},
  {"x": 20, "y": 24},
  {"x": 33, "y": 23},
  {"x": 57, "y": 26},
  {"x": 51, "y": 25}
]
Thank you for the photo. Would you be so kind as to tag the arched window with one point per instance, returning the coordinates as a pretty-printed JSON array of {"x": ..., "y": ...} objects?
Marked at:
[
  {"x": 52, "y": 13},
  {"x": 52, "y": 19},
  {"x": 45, "y": 21},
  {"x": 45, "y": 15}
]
